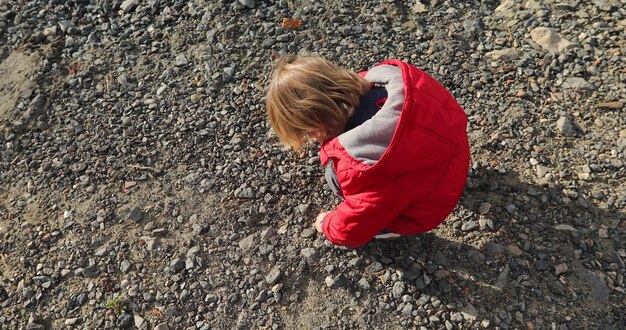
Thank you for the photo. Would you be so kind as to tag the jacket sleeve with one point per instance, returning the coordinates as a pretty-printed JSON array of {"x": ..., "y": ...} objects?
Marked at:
[{"x": 364, "y": 212}]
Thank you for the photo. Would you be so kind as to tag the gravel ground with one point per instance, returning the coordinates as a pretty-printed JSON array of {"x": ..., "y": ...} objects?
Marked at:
[{"x": 142, "y": 186}]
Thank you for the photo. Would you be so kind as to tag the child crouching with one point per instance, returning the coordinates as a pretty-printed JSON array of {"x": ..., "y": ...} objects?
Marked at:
[{"x": 394, "y": 143}]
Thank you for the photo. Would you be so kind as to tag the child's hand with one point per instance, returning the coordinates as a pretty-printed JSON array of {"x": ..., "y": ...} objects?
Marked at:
[{"x": 318, "y": 221}]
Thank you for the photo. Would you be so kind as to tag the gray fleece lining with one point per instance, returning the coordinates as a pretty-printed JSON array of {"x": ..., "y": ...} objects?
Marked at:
[{"x": 368, "y": 142}]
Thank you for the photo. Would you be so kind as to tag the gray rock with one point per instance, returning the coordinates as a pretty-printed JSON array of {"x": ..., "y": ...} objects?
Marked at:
[
  {"x": 176, "y": 265},
  {"x": 135, "y": 214},
  {"x": 565, "y": 125},
  {"x": 542, "y": 171},
  {"x": 248, "y": 242},
  {"x": 552, "y": 41},
  {"x": 308, "y": 254},
  {"x": 541, "y": 265},
  {"x": 507, "y": 54},
  {"x": 125, "y": 266},
  {"x": 90, "y": 271},
  {"x": 560, "y": 269},
  {"x": 364, "y": 284},
  {"x": 181, "y": 60},
  {"x": 139, "y": 321},
  {"x": 484, "y": 208},
  {"x": 124, "y": 321},
  {"x": 273, "y": 276},
  {"x": 129, "y": 5},
  {"x": 308, "y": 232},
  {"x": 469, "y": 225},
  {"x": 337, "y": 281},
  {"x": 248, "y": 3},
  {"x": 578, "y": 83},
  {"x": 398, "y": 289}
]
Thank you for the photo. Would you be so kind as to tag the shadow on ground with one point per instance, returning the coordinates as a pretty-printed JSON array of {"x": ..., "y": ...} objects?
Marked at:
[{"x": 544, "y": 254}]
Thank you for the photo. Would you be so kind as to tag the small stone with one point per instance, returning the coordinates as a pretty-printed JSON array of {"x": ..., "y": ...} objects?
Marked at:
[
  {"x": 419, "y": 8},
  {"x": 564, "y": 227},
  {"x": 124, "y": 321},
  {"x": 541, "y": 265},
  {"x": 566, "y": 126},
  {"x": 195, "y": 97},
  {"x": 398, "y": 289},
  {"x": 90, "y": 271},
  {"x": 484, "y": 208},
  {"x": 507, "y": 54},
  {"x": 162, "y": 326},
  {"x": 603, "y": 232},
  {"x": 273, "y": 276},
  {"x": 308, "y": 254},
  {"x": 550, "y": 40},
  {"x": 469, "y": 226},
  {"x": 456, "y": 317},
  {"x": 128, "y": 5},
  {"x": 161, "y": 89},
  {"x": 181, "y": 60},
  {"x": 177, "y": 265},
  {"x": 247, "y": 243},
  {"x": 514, "y": 250},
  {"x": 139, "y": 321},
  {"x": 485, "y": 324},
  {"x": 510, "y": 208},
  {"x": 407, "y": 310},
  {"x": 363, "y": 284},
  {"x": 50, "y": 31},
  {"x": 578, "y": 83},
  {"x": 248, "y": 3},
  {"x": 308, "y": 232},
  {"x": 560, "y": 269},
  {"x": 125, "y": 266},
  {"x": 337, "y": 281},
  {"x": 542, "y": 171},
  {"x": 71, "y": 321},
  {"x": 135, "y": 214}
]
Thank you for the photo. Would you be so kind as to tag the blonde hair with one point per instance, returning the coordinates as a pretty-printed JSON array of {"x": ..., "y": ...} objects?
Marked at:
[{"x": 309, "y": 94}]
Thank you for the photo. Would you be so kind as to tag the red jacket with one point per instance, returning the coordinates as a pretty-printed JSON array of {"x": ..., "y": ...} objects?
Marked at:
[{"x": 404, "y": 169}]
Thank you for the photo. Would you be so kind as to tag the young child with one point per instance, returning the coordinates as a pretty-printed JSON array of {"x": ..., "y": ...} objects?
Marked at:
[{"x": 394, "y": 143}]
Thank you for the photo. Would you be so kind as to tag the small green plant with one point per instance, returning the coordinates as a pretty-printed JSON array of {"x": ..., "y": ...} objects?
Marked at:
[{"x": 116, "y": 304}]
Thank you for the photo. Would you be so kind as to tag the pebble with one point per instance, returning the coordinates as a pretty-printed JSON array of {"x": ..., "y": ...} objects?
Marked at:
[
  {"x": 128, "y": 5},
  {"x": 484, "y": 208},
  {"x": 124, "y": 321},
  {"x": 578, "y": 83},
  {"x": 337, "y": 281},
  {"x": 398, "y": 289},
  {"x": 135, "y": 214},
  {"x": 508, "y": 54},
  {"x": 551, "y": 40},
  {"x": 565, "y": 125},
  {"x": 309, "y": 254},
  {"x": 162, "y": 326},
  {"x": 273, "y": 276},
  {"x": 469, "y": 226},
  {"x": 90, "y": 271},
  {"x": 176, "y": 265},
  {"x": 364, "y": 284},
  {"x": 181, "y": 60},
  {"x": 560, "y": 269}
]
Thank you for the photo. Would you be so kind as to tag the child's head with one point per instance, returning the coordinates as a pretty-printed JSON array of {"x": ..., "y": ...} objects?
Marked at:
[{"x": 311, "y": 98}]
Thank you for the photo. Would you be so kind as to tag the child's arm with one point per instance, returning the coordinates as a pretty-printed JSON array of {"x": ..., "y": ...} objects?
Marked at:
[{"x": 364, "y": 213}]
